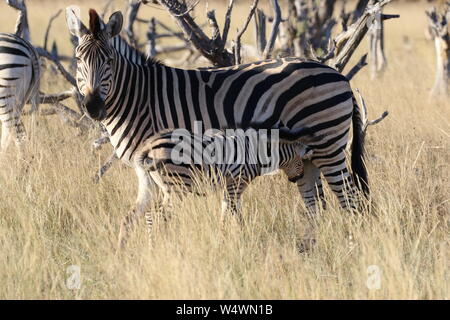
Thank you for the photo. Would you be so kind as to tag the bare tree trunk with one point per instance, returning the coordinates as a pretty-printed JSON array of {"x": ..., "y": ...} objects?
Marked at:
[
  {"x": 22, "y": 29},
  {"x": 274, "y": 32},
  {"x": 132, "y": 11},
  {"x": 151, "y": 37},
  {"x": 377, "y": 58},
  {"x": 260, "y": 31},
  {"x": 299, "y": 26},
  {"x": 359, "y": 10}
]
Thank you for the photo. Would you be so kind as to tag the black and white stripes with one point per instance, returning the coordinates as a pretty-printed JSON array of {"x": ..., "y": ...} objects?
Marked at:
[
  {"x": 19, "y": 83},
  {"x": 135, "y": 102},
  {"x": 181, "y": 161}
]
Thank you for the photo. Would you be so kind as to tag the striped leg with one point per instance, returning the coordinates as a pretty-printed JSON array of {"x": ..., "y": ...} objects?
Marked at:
[
  {"x": 307, "y": 177},
  {"x": 146, "y": 191},
  {"x": 162, "y": 210},
  {"x": 309, "y": 185},
  {"x": 335, "y": 171},
  {"x": 12, "y": 128},
  {"x": 232, "y": 199}
]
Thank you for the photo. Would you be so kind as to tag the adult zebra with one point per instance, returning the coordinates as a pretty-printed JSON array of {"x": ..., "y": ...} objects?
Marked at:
[
  {"x": 19, "y": 83},
  {"x": 136, "y": 101}
]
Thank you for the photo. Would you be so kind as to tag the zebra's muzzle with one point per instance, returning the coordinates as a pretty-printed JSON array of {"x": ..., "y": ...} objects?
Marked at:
[{"x": 95, "y": 107}]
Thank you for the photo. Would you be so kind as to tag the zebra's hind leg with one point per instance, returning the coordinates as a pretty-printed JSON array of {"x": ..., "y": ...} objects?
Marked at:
[
  {"x": 12, "y": 128},
  {"x": 335, "y": 171}
]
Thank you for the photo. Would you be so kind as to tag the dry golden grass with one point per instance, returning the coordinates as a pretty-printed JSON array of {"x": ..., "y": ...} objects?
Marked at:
[{"x": 52, "y": 215}]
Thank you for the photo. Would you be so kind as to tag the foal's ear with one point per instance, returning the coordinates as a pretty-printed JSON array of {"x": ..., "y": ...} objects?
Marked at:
[
  {"x": 114, "y": 25},
  {"x": 73, "y": 20}
]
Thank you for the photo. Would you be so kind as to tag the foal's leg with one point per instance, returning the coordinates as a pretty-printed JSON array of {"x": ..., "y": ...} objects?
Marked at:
[
  {"x": 307, "y": 177},
  {"x": 232, "y": 199},
  {"x": 147, "y": 189},
  {"x": 309, "y": 184}
]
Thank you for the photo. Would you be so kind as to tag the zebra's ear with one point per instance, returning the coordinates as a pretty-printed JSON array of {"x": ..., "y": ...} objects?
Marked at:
[
  {"x": 76, "y": 27},
  {"x": 114, "y": 25}
]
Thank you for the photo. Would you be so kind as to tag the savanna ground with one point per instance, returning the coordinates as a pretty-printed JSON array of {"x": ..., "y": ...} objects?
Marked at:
[{"x": 53, "y": 216}]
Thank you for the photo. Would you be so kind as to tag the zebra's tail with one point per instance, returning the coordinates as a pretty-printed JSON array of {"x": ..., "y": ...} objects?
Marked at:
[{"x": 359, "y": 169}]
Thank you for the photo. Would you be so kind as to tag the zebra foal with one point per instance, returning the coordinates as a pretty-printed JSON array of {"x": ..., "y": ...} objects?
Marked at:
[
  {"x": 19, "y": 84},
  {"x": 181, "y": 162}
]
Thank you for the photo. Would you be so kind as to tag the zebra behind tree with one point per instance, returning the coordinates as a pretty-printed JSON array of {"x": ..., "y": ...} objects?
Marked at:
[
  {"x": 19, "y": 84},
  {"x": 134, "y": 102}
]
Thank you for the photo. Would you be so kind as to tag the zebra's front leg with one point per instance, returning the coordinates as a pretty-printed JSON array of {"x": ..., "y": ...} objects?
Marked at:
[{"x": 146, "y": 190}]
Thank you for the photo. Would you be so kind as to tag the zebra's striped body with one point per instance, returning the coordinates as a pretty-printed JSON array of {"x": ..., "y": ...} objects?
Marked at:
[
  {"x": 240, "y": 160},
  {"x": 134, "y": 102},
  {"x": 19, "y": 83}
]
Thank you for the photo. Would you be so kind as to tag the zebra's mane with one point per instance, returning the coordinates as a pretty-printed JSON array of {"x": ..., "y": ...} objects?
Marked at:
[
  {"x": 150, "y": 61},
  {"x": 120, "y": 40}
]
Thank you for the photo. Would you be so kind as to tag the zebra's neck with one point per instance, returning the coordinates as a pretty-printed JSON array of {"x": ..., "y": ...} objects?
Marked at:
[{"x": 130, "y": 119}]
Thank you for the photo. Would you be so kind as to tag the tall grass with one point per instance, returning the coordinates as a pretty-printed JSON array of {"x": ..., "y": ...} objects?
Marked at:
[{"x": 52, "y": 216}]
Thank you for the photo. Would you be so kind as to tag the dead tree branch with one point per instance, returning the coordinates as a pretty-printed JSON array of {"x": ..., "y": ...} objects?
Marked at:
[
  {"x": 180, "y": 11},
  {"x": 54, "y": 98},
  {"x": 226, "y": 25},
  {"x": 151, "y": 38},
  {"x": 113, "y": 158},
  {"x": 260, "y": 31},
  {"x": 365, "y": 120},
  {"x": 237, "y": 44},
  {"x": 22, "y": 29},
  {"x": 359, "y": 10},
  {"x": 361, "y": 64},
  {"x": 348, "y": 41},
  {"x": 275, "y": 27},
  {"x": 132, "y": 11},
  {"x": 44, "y": 53},
  {"x": 52, "y": 18},
  {"x": 106, "y": 8}
]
